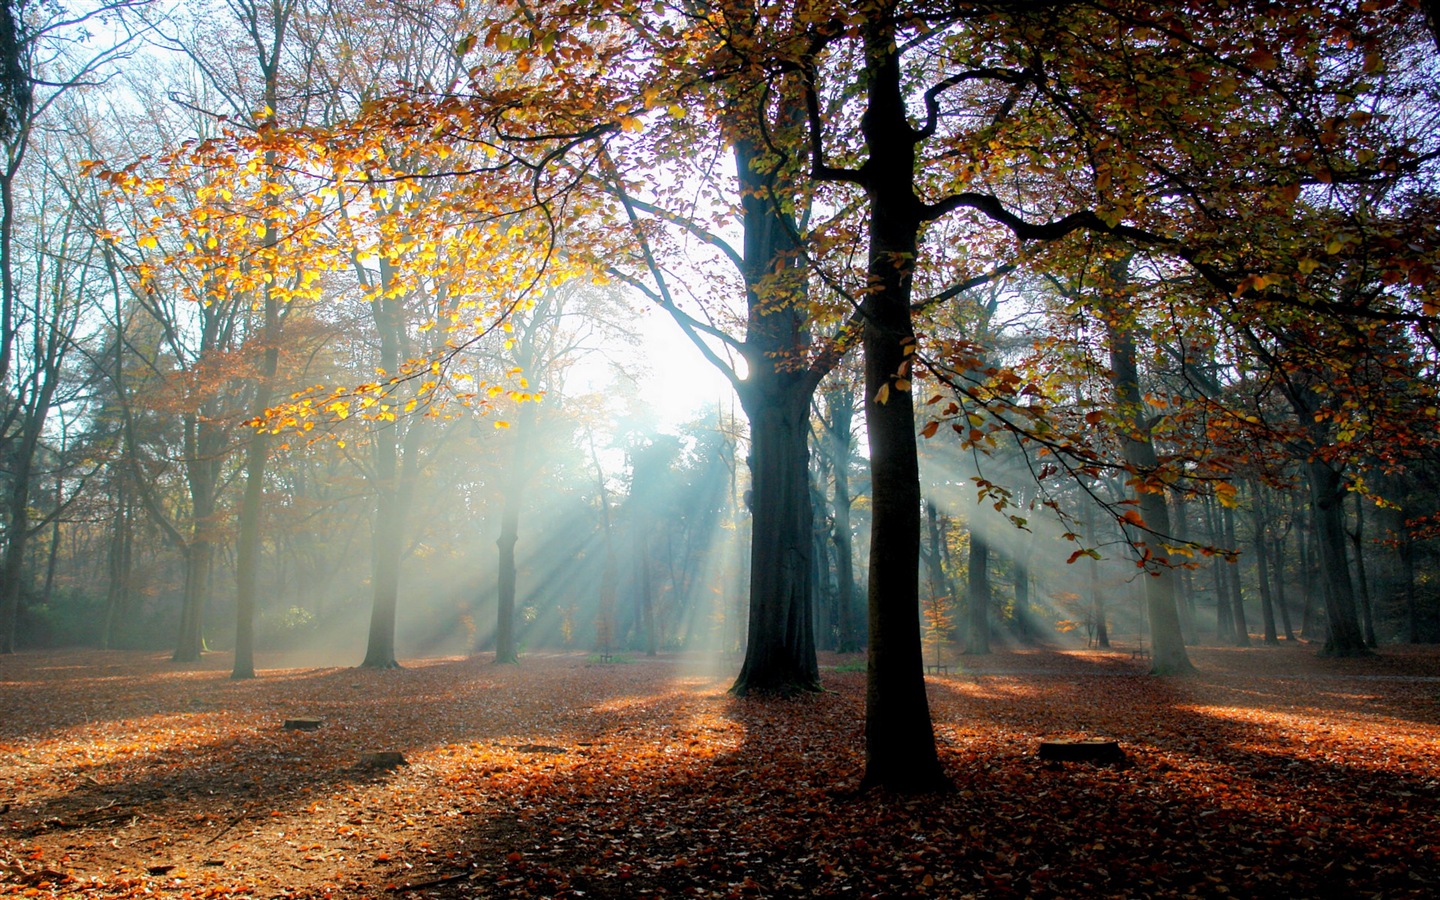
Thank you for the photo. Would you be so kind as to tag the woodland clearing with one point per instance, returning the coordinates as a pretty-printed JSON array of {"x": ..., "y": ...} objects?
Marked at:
[{"x": 1271, "y": 772}]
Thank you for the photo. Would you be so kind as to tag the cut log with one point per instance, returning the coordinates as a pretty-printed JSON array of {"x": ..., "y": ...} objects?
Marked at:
[
  {"x": 1096, "y": 750},
  {"x": 304, "y": 724},
  {"x": 382, "y": 759}
]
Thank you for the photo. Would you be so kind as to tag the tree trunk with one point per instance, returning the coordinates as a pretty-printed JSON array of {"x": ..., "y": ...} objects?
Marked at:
[
  {"x": 1097, "y": 599},
  {"x": 840, "y": 407},
  {"x": 12, "y": 572},
  {"x": 977, "y": 640},
  {"x": 1327, "y": 498},
  {"x": 190, "y": 641},
  {"x": 1262, "y": 570},
  {"x": 1184, "y": 582},
  {"x": 780, "y": 641},
  {"x": 1167, "y": 644},
  {"x": 900, "y": 751},
  {"x": 1280, "y": 599},
  {"x": 1309, "y": 583},
  {"x": 780, "y": 635},
  {"x": 1224, "y": 615},
  {"x": 1023, "y": 619},
  {"x": 506, "y": 646},
  {"x": 252, "y": 503},
  {"x": 1237, "y": 603},
  {"x": 940, "y": 597},
  {"x": 1357, "y": 541},
  {"x": 119, "y": 564}
]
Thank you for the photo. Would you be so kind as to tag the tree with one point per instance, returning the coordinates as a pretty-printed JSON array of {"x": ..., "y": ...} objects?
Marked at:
[{"x": 48, "y": 49}]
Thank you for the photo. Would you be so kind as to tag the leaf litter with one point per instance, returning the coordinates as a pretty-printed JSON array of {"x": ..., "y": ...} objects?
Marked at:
[{"x": 1272, "y": 771}]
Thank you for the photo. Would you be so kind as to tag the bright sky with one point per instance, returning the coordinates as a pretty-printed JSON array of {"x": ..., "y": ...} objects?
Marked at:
[
  {"x": 674, "y": 379},
  {"x": 681, "y": 382}
]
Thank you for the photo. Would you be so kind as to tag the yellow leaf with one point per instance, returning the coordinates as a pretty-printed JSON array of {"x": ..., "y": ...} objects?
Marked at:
[{"x": 883, "y": 394}]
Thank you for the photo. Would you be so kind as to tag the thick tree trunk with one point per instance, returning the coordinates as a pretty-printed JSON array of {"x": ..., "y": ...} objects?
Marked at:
[
  {"x": 12, "y": 568},
  {"x": 190, "y": 641},
  {"x": 780, "y": 641},
  {"x": 1327, "y": 497},
  {"x": 780, "y": 635}
]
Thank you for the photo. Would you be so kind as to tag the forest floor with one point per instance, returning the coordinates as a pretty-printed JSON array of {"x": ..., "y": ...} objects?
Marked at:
[{"x": 1272, "y": 772}]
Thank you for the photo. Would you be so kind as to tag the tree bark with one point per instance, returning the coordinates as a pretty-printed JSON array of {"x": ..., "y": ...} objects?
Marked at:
[
  {"x": 1232, "y": 572},
  {"x": 1280, "y": 599},
  {"x": 780, "y": 642},
  {"x": 900, "y": 751},
  {"x": 977, "y": 642},
  {"x": 1357, "y": 542},
  {"x": 506, "y": 646},
  {"x": 1167, "y": 644},
  {"x": 1262, "y": 570},
  {"x": 1327, "y": 498},
  {"x": 839, "y": 405}
]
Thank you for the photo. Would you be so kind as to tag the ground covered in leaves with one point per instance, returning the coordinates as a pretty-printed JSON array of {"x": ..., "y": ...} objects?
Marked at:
[{"x": 1270, "y": 773}]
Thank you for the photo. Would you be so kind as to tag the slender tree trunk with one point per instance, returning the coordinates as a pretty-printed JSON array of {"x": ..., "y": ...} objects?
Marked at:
[
  {"x": 506, "y": 645},
  {"x": 978, "y": 583},
  {"x": 1224, "y": 616},
  {"x": 940, "y": 598},
  {"x": 1280, "y": 598},
  {"x": 1023, "y": 618},
  {"x": 900, "y": 752},
  {"x": 118, "y": 566},
  {"x": 840, "y": 409},
  {"x": 1097, "y": 599},
  {"x": 257, "y": 449},
  {"x": 1237, "y": 603},
  {"x": 1357, "y": 542},
  {"x": 1167, "y": 644},
  {"x": 1184, "y": 584},
  {"x": 1262, "y": 569}
]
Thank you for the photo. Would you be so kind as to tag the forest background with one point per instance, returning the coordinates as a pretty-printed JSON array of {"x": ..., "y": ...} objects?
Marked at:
[{"x": 1044, "y": 321}]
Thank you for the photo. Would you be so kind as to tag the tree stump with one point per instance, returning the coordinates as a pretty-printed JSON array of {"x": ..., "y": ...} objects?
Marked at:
[
  {"x": 383, "y": 759},
  {"x": 1096, "y": 750}
]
